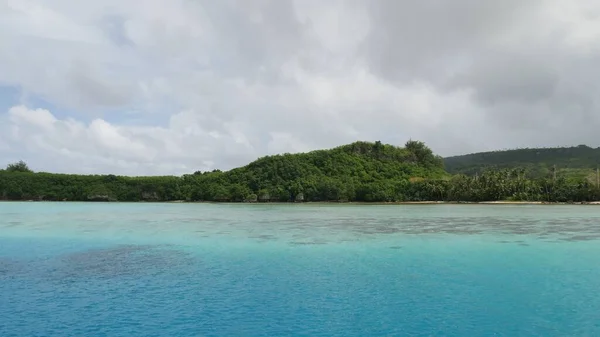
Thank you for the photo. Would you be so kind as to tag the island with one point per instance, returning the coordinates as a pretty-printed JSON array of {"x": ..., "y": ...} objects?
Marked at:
[{"x": 357, "y": 172}]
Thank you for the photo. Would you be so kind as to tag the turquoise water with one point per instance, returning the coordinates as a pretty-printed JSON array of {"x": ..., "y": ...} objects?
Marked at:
[{"x": 77, "y": 269}]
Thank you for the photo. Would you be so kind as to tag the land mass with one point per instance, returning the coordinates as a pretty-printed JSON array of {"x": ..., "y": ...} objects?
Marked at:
[
  {"x": 357, "y": 172},
  {"x": 577, "y": 161}
]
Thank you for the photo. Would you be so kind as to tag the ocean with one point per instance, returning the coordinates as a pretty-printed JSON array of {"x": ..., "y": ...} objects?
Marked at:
[{"x": 151, "y": 269}]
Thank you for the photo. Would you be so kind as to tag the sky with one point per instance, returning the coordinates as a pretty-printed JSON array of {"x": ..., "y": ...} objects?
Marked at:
[{"x": 175, "y": 86}]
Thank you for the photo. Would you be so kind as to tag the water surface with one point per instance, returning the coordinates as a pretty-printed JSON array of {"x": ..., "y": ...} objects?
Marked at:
[{"x": 121, "y": 269}]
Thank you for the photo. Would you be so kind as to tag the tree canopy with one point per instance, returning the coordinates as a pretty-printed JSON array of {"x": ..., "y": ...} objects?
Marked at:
[
  {"x": 539, "y": 162},
  {"x": 19, "y": 166},
  {"x": 361, "y": 171}
]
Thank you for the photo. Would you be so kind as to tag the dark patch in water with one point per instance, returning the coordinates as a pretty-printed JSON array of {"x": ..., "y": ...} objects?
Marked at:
[
  {"x": 303, "y": 243},
  {"x": 10, "y": 267},
  {"x": 379, "y": 230},
  {"x": 266, "y": 237},
  {"x": 13, "y": 223},
  {"x": 590, "y": 237},
  {"x": 126, "y": 260},
  {"x": 461, "y": 231},
  {"x": 396, "y": 247},
  {"x": 566, "y": 227}
]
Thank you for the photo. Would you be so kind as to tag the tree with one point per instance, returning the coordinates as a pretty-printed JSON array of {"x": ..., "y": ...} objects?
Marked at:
[
  {"x": 423, "y": 154},
  {"x": 19, "y": 166}
]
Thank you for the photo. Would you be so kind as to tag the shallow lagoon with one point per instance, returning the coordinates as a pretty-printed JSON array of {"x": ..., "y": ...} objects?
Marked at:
[{"x": 103, "y": 269}]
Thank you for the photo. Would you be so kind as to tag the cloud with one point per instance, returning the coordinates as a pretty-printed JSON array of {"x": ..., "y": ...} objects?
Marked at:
[
  {"x": 178, "y": 86},
  {"x": 525, "y": 61},
  {"x": 62, "y": 144}
]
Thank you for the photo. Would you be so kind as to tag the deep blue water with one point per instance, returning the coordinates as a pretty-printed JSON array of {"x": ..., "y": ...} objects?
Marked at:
[{"x": 69, "y": 269}]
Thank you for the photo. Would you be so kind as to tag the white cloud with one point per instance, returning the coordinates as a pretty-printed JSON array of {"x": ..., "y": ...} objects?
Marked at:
[
  {"x": 67, "y": 145},
  {"x": 34, "y": 18},
  {"x": 177, "y": 86},
  {"x": 38, "y": 118}
]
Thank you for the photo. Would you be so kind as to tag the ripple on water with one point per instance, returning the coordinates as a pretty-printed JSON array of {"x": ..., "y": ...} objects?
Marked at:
[
  {"x": 590, "y": 237},
  {"x": 307, "y": 243},
  {"x": 11, "y": 267},
  {"x": 119, "y": 261},
  {"x": 264, "y": 237}
]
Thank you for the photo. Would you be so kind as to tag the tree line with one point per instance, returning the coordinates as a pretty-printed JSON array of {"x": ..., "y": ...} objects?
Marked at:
[
  {"x": 358, "y": 172},
  {"x": 577, "y": 161}
]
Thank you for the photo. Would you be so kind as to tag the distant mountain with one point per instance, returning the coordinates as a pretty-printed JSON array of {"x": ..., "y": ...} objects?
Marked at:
[{"x": 577, "y": 160}]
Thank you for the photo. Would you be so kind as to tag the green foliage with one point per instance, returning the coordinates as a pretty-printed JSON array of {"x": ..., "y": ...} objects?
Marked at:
[
  {"x": 576, "y": 162},
  {"x": 361, "y": 171},
  {"x": 515, "y": 185},
  {"x": 340, "y": 174},
  {"x": 19, "y": 166},
  {"x": 422, "y": 154},
  {"x": 49, "y": 186}
]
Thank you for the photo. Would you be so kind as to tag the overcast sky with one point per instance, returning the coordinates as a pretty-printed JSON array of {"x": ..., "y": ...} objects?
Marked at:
[{"x": 174, "y": 86}]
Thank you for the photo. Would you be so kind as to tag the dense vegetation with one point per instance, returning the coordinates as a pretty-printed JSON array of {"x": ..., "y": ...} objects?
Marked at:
[
  {"x": 577, "y": 161},
  {"x": 362, "y": 171}
]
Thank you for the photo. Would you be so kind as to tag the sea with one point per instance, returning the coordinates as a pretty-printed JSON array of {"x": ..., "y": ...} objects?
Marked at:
[{"x": 167, "y": 269}]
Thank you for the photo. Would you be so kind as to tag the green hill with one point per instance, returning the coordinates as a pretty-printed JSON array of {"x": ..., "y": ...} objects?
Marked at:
[
  {"x": 579, "y": 161},
  {"x": 360, "y": 171}
]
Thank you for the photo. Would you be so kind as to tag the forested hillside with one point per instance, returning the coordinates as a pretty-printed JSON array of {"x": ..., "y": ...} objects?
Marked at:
[
  {"x": 360, "y": 171},
  {"x": 577, "y": 161}
]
